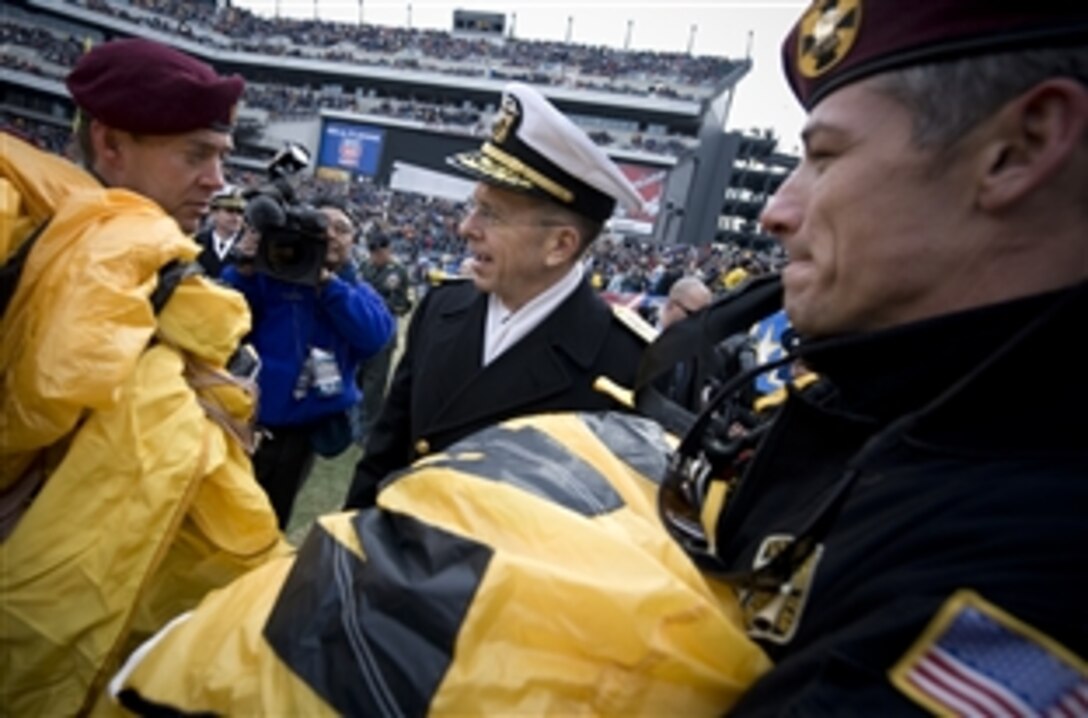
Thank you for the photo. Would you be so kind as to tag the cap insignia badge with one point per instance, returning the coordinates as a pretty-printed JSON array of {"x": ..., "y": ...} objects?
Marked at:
[
  {"x": 507, "y": 118},
  {"x": 828, "y": 31}
]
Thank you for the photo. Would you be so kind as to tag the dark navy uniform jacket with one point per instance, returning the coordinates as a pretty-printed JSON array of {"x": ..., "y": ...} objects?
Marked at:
[
  {"x": 441, "y": 392},
  {"x": 983, "y": 487},
  {"x": 212, "y": 263}
]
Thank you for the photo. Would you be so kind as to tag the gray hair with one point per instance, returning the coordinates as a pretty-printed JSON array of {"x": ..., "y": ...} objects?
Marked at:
[
  {"x": 691, "y": 292},
  {"x": 588, "y": 229},
  {"x": 949, "y": 99}
]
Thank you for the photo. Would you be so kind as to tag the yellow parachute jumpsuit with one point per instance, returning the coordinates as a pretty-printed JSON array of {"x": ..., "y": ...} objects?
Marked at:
[{"x": 131, "y": 424}]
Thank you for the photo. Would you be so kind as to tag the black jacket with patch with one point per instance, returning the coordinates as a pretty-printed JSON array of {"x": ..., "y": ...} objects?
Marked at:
[{"x": 972, "y": 473}]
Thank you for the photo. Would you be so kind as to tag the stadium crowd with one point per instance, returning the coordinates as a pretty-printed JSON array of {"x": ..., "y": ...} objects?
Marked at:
[
  {"x": 54, "y": 138},
  {"x": 674, "y": 75},
  {"x": 51, "y": 54}
]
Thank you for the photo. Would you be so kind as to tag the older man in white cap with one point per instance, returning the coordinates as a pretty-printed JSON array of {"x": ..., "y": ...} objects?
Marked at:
[
  {"x": 528, "y": 334},
  {"x": 219, "y": 237}
]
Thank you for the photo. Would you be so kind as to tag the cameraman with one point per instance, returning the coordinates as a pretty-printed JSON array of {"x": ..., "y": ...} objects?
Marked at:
[{"x": 312, "y": 327}]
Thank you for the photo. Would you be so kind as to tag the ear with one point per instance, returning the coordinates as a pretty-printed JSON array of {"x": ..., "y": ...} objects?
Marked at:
[
  {"x": 1035, "y": 135},
  {"x": 107, "y": 144},
  {"x": 563, "y": 246}
]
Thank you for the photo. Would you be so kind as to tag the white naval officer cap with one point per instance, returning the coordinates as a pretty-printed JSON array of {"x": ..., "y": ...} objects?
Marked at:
[{"x": 535, "y": 149}]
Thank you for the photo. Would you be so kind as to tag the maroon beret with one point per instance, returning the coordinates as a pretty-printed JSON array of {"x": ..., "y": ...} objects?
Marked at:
[
  {"x": 148, "y": 88},
  {"x": 839, "y": 41}
]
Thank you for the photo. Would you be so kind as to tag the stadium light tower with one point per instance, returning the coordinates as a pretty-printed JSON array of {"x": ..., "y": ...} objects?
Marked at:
[
  {"x": 627, "y": 40},
  {"x": 691, "y": 38},
  {"x": 409, "y": 16},
  {"x": 570, "y": 28},
  {"x": 360, "y": 12},
  {"x": 695, "y": 189}
]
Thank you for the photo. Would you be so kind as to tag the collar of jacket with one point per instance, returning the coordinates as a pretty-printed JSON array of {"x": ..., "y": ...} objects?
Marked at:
[
  {"x": 578, "y": 334},
  {"x": 577, "y": 329},
  {"x": 999, "y": 376}
]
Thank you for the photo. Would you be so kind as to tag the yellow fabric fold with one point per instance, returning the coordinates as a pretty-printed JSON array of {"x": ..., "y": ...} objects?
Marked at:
[{"x": 147, "y": 504}]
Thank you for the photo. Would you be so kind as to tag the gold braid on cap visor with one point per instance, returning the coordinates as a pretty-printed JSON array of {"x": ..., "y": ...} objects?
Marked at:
[
  {"x": 515, "y": 165},
  {"x": 489, "y": 168}
]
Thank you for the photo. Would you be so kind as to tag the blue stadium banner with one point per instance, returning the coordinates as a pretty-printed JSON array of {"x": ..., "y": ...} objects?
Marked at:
[{"x": 351, "y": 146}]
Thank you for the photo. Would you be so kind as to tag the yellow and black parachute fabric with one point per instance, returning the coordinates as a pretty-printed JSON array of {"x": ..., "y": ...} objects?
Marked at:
[
  {"x": 521, "y": 572},
  {"x": 123, "y": 424}
]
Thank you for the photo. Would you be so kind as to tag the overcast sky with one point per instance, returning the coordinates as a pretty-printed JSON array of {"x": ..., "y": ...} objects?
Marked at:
[{"x": 722, "y": 27}]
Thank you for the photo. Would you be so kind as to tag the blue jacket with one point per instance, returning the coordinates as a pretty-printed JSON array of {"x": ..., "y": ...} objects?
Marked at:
[{"x": 346, "y": 318}]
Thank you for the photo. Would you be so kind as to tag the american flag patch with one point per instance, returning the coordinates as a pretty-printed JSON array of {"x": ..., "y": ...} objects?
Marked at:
[{"x": 976, "y": 660}]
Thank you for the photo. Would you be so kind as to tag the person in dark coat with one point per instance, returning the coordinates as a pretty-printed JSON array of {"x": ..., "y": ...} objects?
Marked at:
[
  {"x": 528, "y": 333},
  {"x": 217, "y": 240},
  {"x": 905, "y": 540},
  {"x": 389, "y": 278}
]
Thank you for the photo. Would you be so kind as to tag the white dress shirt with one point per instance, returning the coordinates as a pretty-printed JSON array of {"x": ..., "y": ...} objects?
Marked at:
[
  {"x": 504, "y": 328},
  {"x": 222, "y": 245}
]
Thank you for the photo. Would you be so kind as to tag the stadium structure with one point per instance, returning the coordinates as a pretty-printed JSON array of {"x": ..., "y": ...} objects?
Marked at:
[{"x": 387, "y": 105}]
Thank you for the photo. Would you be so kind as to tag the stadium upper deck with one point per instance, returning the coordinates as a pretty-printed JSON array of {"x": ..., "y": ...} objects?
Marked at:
[
  {"x": 662, "y": 94},
  {"x": 236, "y": 30},
  {"x": 640, "y": 73}
]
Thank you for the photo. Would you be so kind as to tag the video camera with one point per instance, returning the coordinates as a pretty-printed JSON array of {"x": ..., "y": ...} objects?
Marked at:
[{"x": 293, "y": 235}]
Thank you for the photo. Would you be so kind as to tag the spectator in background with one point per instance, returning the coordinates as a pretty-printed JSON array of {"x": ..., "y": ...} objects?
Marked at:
[
  {"x": 311, "y": 340},
  {"x": 224, "y": 229},
  {"x": 390, "y": 279},
  {"x": 734, "y": 277},
  {"x": 528, "y": 333},
  {"x": 668, "y": 271},
  {"x": 686, "y": 296}
]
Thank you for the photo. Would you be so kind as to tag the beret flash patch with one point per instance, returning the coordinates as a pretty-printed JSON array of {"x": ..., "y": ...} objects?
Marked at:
[{"x": 828, "y": 31}]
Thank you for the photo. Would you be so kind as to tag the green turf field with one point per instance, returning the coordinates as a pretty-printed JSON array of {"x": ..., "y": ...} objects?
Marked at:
[{"x": 323, "y": 492}]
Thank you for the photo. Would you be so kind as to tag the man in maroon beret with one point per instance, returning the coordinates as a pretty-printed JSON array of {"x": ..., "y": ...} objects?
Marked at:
[
  {"x": 904, "y": 541},
  {"x": 156, "y": 121},
  {"x": 125, "y": 422}
]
